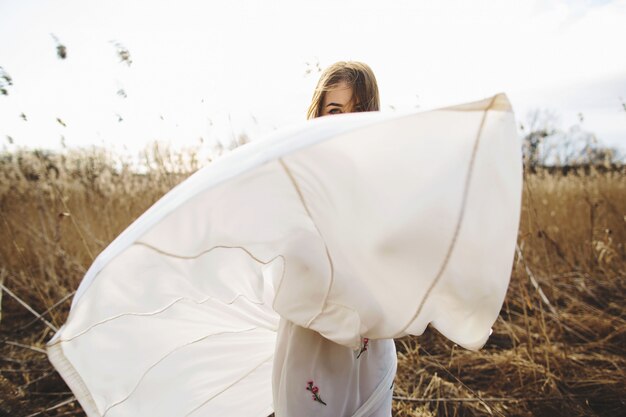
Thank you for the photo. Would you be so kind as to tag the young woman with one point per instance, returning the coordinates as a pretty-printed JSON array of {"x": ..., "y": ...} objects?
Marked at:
[
  {"x": 345, "y": 87},
  {"x": 277, "y": 277},
  {"x": 312, "y": 375}
]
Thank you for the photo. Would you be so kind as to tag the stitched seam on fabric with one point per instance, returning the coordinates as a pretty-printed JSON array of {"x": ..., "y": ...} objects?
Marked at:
[
  {"x": 459, "y": 221},
  {"x": 166, "y": 355},
  {"x": 204, "y": 252},
  {"x": 240, "y": 379},
  {"x": 282, "y": 275},
  {"x": 152, "y": 313},
  {"x": 306, "y": 208},
  {"x": 330, "y": 260}
]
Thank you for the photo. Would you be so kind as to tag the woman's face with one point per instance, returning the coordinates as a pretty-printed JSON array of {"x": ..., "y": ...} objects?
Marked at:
[{"x": 338, "y": 99}]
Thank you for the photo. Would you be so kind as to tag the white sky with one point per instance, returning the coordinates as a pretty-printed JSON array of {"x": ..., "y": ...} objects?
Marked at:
[{"x": 200, "y": 64}]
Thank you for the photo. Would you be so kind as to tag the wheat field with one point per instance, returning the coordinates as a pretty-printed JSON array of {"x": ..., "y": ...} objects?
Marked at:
[{"x": 558, "y": 347}]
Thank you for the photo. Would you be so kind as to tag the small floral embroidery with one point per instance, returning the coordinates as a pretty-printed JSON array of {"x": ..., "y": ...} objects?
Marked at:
[
  {"x": 364, "y": 347},
  {"x": 315, "y": 391}
]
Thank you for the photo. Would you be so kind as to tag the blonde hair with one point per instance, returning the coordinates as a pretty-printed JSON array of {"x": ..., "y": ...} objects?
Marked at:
[{"x": 357, "y": 75}]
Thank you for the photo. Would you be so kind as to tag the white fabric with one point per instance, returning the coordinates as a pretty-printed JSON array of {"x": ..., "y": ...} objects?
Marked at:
[
  {"x": 361, "y": 225},
  {"x": 351, "y": 382}
]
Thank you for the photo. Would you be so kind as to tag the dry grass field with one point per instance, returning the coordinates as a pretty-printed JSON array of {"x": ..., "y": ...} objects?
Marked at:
[{"x": 558, "y": 347}]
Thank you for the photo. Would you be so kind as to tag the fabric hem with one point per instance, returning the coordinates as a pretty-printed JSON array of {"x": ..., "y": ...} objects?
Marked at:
[{"x": 73, "y": 380}]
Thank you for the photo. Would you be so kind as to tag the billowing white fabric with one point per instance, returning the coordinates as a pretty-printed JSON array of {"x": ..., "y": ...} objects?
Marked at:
[{"x": 362, "y": 225}]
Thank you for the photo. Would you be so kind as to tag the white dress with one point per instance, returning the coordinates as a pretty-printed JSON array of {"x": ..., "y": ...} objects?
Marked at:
[
  {"x": 286, "y": 254},
  {"x": 347, "y": 382}
]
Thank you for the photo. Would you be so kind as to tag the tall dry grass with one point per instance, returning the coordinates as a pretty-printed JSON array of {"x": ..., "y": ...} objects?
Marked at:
[
  {"x": 558, "y": 347},
  {"x": 559, "y": 344}
]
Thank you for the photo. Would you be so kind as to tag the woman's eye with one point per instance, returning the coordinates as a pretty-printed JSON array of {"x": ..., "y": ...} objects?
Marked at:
[{"x": 334, "y": 111}]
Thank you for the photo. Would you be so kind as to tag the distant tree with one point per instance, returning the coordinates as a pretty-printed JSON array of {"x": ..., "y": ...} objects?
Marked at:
[
  {"x": 545, "y": 144},
  {"x": 540, "y": 125},
  {"x": 579, "y": 147}
]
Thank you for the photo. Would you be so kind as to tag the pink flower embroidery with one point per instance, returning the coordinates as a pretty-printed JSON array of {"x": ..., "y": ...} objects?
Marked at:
[
  {"x": 364, "y": 347},
  {"x": 315, "y": 390}
]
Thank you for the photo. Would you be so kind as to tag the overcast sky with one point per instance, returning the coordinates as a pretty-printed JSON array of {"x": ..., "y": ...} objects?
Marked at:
[{"x": 213, "y": 69}]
